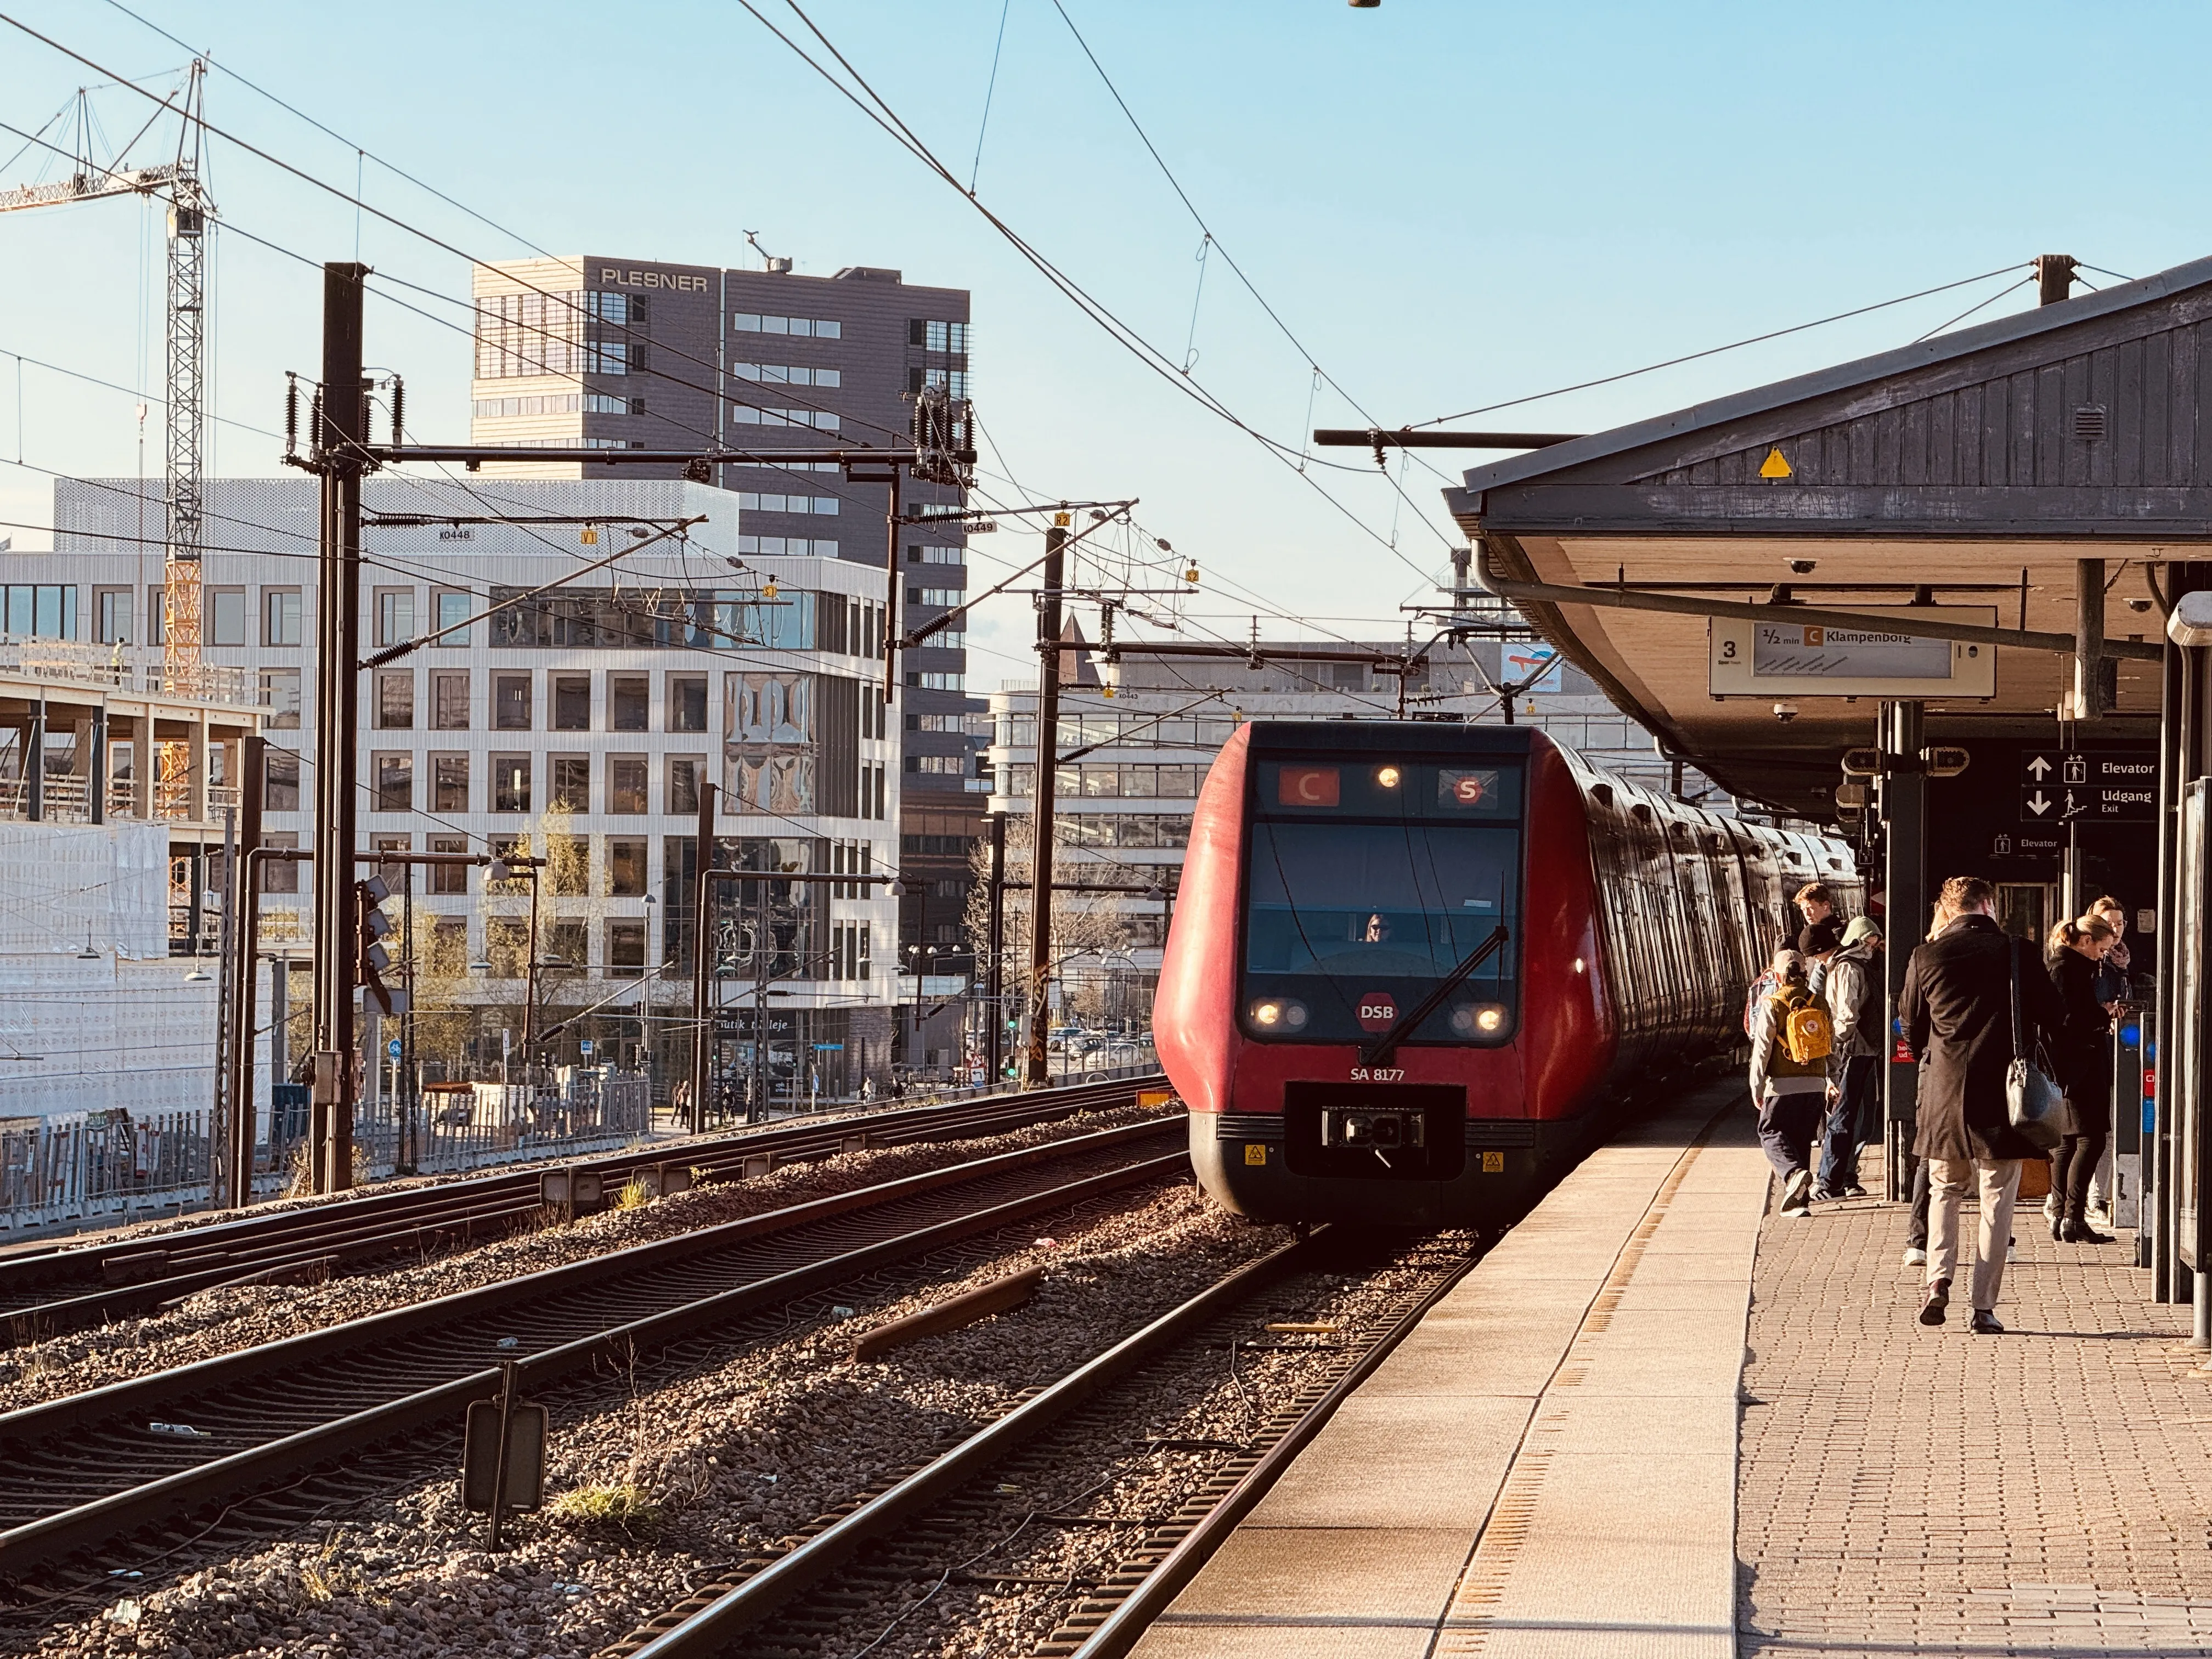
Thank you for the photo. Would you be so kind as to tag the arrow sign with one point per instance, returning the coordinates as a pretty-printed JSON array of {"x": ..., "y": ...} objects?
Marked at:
[
  {"x": 2039, "y": 804},
  {"x": 2039, "y": 768}
]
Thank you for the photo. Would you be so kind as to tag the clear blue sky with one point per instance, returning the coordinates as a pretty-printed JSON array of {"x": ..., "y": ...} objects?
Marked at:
[{"x": 1448, "y": 203}]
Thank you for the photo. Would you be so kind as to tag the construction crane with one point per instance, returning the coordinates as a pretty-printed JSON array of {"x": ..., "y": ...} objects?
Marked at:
[{"x": 180, "y": 182}]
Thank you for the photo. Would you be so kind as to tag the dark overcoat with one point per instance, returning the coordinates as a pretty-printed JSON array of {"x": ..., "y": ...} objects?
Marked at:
[
  {"x": 2082, "y": 1055},
  {"x": 1956, "y": 1008}
]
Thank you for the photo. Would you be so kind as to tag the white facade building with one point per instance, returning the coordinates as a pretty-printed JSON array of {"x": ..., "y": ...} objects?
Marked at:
[{"x": 591, "y": 714}]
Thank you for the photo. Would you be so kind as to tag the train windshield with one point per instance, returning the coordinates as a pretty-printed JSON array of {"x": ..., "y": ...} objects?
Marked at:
[{"x": 1369, "y": 882}]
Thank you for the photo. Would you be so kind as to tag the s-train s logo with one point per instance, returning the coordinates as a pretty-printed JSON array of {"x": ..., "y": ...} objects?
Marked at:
[{"x": 1378, "y": 1011}]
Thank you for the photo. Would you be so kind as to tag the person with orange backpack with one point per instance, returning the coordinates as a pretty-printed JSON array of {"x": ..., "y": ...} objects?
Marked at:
[{"x": 1791, "y": 1039}]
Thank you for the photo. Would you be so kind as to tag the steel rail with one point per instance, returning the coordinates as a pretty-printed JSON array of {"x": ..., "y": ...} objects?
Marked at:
[
  {"x": 359, "y": 1350},
  {"x": 1120, "y": 1629},
  {"x": 712, "y": 1628},
  {"x": 197, "y": 1258}
]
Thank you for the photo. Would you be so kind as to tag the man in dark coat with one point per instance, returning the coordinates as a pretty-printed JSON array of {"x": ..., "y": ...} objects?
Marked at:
[{"x": 1956, "y": 1007}]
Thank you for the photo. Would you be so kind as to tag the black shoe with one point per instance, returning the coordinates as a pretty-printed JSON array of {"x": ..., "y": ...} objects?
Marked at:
[
  {"x": 1986, "y": 1323},
  {"x": 1939, "y": 1298},
  {"x": 1854, "y": 1190},
  {"x": 2058, "y": 1231},
  {"x": 2080, "y": 1232}
]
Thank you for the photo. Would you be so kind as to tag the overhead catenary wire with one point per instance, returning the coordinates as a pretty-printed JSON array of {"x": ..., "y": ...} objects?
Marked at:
[{"x": 1714, "y": 351}]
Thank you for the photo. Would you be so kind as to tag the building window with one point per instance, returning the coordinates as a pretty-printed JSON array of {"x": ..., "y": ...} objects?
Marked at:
[
  {"x": 684, "y": 772},
  {"x": 449, "y": 700},
  {"x": 625, "y": 949},
  {"x": 937, "y": 337},
  {"x": 567, "y": 865},
  {"x": 280, "y": 696},
  {"x": 630, "y": 698},
  {"x": 751, "y": 502},
  {"x": 917, "y": 553},
  {"x": 571, "y": 702},
  {"x": 821, "y": 420},
  {"x": 569, "y": 784},
  {"x": 157, "y": 615},
  {"x": 625, "y": 868},
  {"x": 454, "y": 609},
  {"x": 510, "y": 702},
  {"x": 507, "y": 947},
  {"x": 280, "y": 782},
  {"x": 280, "y": 875},
  {"x": 395, "y": 700},
  {"x": 687, "y": 702},
  {"x": 112, "y": 615},
  {"x": 395, "y": 782},
  {"x": 510, "y": 783},
  {"x": 280, "y": 615},
  {"x": 449, "y": 783},
  {"x": 787, "y": 374},
  {"x": 943, "y": 597},
  {"x": 449, "y": 878},
  {"x": 952, "y": 382},
  {"x": 626, "y": 783},
  {"x": 395, "y": 615},
  {"x": 926, "y": 682},
  {"x": 819, "y": 328},
  {"x": 226, "y": 616}
]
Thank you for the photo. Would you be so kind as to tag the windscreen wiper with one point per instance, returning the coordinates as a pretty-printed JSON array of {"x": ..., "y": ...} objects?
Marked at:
[{"x": 1387, "y": 1044}]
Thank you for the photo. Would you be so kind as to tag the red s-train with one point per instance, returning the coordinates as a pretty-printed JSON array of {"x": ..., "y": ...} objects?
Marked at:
[{"x": 1414, "y": 966}]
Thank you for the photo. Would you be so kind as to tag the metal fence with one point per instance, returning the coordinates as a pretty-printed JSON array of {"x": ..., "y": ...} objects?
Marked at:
[
  {"x": 109, "y": 1167},
  {"x": 108, "y": 1164}
]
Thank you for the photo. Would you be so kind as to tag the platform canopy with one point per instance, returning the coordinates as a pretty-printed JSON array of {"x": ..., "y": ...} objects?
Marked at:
[{"x": 1978, "y": 468}]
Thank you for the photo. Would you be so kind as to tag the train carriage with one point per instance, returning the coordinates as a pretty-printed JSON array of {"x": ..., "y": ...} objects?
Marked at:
[{"x": 1415, "y": 967}]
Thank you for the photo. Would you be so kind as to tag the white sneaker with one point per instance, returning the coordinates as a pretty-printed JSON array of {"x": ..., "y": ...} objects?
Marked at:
[
  {"x": 2012, "y": 1252},
  {"x": 1915, "y": 1256},
  {"x": 1796, "y": 1194}
]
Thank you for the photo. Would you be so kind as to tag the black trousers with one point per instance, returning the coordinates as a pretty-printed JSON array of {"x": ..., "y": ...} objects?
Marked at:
[{"x": 2071, "y": 1170}]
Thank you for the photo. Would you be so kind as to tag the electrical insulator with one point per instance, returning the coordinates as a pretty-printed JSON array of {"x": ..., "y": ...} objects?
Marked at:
[
  {"x": 315, "y": 420},
  {"x": 291, "y": 414},
  {"x": 398, "y": 409}
]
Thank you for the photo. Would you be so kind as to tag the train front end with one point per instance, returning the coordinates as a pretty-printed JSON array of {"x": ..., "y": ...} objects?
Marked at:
[{"x": 1379, "y": 999}]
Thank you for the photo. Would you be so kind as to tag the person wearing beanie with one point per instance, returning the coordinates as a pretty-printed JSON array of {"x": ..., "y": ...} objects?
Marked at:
[{"x": 1854, "y": 991}]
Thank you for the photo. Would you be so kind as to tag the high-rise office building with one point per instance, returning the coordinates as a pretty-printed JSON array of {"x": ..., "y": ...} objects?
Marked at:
[{"x": 605, "y": 353}]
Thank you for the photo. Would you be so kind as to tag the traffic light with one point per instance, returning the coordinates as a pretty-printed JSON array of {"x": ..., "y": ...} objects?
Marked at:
[{"x": 371, "y": 927}]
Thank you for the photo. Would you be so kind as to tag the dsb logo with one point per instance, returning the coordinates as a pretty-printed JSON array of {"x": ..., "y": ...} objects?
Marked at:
[{"x": 1378, "y": 1011}]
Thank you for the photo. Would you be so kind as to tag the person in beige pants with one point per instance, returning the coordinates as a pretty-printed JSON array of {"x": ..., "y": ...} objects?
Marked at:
[{"x": 1957, "y": 1009}]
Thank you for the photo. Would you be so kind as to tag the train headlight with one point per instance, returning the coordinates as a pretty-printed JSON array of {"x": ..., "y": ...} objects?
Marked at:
[
  {"x": 1278, "y": 1014},
  {"x": 1478, "y": 1018},
  {"x": 1387, "y": 776}
]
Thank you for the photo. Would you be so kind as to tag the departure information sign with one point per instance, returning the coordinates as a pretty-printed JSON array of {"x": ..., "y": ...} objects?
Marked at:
[{"x": 1884, "y": 659}]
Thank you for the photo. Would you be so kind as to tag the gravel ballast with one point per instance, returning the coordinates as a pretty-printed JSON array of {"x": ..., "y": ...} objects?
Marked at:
[
  {"x": 662, "y": 1483},
  {"x": 227, "y": 1318}
]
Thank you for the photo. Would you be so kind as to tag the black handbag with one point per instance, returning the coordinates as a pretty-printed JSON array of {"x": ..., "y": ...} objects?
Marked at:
[{"x": 2033, "y": 1104}]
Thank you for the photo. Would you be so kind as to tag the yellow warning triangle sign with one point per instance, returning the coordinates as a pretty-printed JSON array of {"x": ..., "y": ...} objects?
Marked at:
[{"x": 1774, "y": 466}]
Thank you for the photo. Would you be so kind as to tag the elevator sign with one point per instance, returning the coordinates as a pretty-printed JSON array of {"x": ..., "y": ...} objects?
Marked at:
[
  {"x": 1782, "y": 658},
  {"x": 2088, "y": 786}
]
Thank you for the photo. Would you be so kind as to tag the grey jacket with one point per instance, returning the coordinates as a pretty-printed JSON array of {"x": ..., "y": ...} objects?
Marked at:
[
  {"x": 1766, "y": 1051},
  {"x": 1850, "y": 971}
]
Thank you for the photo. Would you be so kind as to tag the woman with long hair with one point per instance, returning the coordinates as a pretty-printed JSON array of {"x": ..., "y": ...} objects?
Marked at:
[{"x": 2084, "y": 1064}]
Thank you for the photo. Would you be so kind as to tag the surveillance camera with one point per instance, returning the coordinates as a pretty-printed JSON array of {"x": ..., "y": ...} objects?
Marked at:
[
  {"x": 2138, "y": 605},
  {"x": 1801, "y": 567},
  {"x": 1785, "y": 712}
]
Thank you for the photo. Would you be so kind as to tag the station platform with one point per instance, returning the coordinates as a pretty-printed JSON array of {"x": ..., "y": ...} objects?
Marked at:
[{"x": 1661, "y": 1420}]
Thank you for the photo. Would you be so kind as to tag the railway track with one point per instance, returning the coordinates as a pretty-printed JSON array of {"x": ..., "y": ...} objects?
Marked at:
[
  {"x": 43, "y": 1293},
  {"x": 146, "y": 1462},
  {"x": 870, "y": 1557}
]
